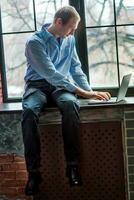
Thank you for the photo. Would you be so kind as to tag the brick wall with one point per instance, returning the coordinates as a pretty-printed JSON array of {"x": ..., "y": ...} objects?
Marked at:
[
  {"x": 1, "y": 99},
  {"x": 13, "y": 177}
]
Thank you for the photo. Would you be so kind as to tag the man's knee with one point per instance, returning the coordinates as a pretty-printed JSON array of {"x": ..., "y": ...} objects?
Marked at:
[
  {"x": 69, "y": 105},
  {"x": 32, "y": 109},
  {"x": 29, "y": 113}
]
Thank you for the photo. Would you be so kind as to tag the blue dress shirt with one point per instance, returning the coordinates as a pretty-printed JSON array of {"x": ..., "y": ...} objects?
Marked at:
[{"x": 55, "y": 61}]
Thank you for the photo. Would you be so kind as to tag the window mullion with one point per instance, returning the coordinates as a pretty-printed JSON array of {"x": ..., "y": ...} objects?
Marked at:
[
  {"x": 81, "y": 40},
  {"x": 34, "y": 11},
  {"x": 116, "y": 43},
  {"x": 2, "y": 64}
]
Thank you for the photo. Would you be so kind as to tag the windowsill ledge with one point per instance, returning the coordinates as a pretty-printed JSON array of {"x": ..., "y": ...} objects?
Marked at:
[{"x": 17, "y": 107}]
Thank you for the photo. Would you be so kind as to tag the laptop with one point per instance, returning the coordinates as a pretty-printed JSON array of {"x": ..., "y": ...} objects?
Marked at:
[{"x": 120, "y": 96}]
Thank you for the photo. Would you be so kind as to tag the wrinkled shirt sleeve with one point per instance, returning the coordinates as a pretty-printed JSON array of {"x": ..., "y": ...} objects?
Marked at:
[
  {"x": 42, "y": 64},
  {"x": 77, "y": 74}
]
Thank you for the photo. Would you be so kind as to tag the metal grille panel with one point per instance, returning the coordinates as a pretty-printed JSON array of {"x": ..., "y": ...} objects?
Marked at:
[{"x": 101, "y": 163}]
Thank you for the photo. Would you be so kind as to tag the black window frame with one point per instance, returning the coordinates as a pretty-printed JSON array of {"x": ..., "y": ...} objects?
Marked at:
[
  {"x": 6, "y": 99},
  {"x": 81, "y": 44}
]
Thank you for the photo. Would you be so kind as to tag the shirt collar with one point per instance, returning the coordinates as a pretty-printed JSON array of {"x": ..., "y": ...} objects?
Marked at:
[{"x": 47, "y": 34}]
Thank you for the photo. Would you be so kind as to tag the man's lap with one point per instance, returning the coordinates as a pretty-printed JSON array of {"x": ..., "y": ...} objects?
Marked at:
[{"x": 34, "y": 98}]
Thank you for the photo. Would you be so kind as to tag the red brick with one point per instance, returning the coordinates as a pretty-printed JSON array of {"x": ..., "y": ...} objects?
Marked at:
[
  {"x": 18, "y": 158},
  {"x": 13, "y": 176},
  {"x": 20, "y": 190},
  {"x": 7, "y": 175},
  {"x": 8, "y": 191},
  {"x": 13, "y": 166},
  {"x": 13, "y": 183},
  {"x": 21, "y": 166},
  {"x": 6, "y": 158},
  {"x": 21, "y": 175}
]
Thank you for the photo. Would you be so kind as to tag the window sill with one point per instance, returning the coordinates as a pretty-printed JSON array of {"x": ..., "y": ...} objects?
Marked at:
[{"x": 17, "y": 107}]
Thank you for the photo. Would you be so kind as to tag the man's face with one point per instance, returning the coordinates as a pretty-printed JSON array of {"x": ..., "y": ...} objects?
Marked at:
[{"x": 69, "y": 28}]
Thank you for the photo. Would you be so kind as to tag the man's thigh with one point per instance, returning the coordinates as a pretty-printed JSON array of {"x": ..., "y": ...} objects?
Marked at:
[
  {"x": 63, "y": 96},
  {"x": 34, "y": 99}
]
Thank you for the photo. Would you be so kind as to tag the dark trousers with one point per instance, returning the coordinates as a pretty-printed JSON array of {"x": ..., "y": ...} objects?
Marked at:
[{"x": 38, "y": 95}]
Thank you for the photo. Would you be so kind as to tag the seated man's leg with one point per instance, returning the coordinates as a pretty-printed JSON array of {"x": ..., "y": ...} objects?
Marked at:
[
  {"x": 69, "y": 107},
  {"x": 32, "y": 106}
]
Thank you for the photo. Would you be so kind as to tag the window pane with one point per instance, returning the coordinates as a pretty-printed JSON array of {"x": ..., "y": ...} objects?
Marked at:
[
  {"x": 99, "y": 12},
  {"x": 102, "y": 57},
  {"x": 125, "y": 11},
  {"x": 15, "y": 63},
  {"x": 126, "y": 50},
  {"x": 17, "y": 15},
  {"x": 45, "y": 10}
]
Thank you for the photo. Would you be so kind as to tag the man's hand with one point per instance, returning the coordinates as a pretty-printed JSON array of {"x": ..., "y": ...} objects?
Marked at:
[
  {"x": 93, "y": 94},
  {"x": 98, "y": 95}
]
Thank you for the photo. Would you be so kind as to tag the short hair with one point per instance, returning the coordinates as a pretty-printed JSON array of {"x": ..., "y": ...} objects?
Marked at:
[{"x": 66, "y": 13}]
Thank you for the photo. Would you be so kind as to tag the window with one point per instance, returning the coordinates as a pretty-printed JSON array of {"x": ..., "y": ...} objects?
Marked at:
[
  {"x": 104, "y": 40},
  {"x": 109, "y": 26}
]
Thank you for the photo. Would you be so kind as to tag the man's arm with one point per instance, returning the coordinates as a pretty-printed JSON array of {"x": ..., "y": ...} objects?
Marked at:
[{"x": 93, "y": 94}]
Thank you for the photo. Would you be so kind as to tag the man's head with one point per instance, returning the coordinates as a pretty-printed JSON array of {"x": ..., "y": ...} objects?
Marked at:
[{"x": 66, "y": 20}]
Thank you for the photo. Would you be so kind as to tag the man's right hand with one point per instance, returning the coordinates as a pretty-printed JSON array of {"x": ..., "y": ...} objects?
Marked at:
[
  {"x": 93, "y": 94},
  {"x": 98, "y": 95}
]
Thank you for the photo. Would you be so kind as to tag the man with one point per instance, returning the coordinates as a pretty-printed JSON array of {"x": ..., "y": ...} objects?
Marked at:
[{"x": 51, "y": 61}]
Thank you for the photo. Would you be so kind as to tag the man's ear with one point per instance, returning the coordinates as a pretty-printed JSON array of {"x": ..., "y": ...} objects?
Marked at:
[{"x": 58, "y": 21}]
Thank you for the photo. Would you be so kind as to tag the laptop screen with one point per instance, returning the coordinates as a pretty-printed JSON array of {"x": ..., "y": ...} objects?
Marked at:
[{"x": 123, "y": 88}]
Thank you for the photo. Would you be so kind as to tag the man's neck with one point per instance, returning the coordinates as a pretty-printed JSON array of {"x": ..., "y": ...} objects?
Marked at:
[{"x": 53, "y": 30}]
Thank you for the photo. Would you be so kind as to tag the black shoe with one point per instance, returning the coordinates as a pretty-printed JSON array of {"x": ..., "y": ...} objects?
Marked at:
[
  {"x": 32, "y": 186},
  {"x": 72, "y": 173}
]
